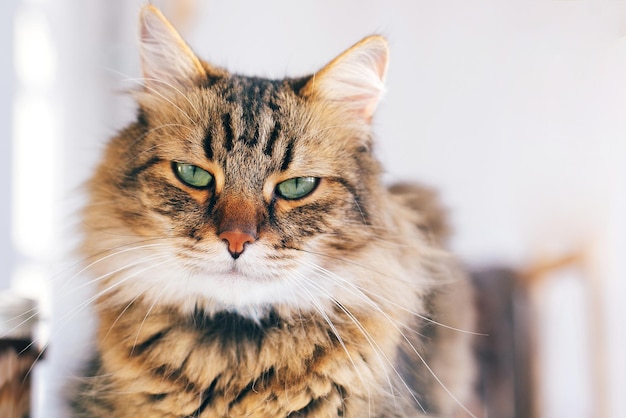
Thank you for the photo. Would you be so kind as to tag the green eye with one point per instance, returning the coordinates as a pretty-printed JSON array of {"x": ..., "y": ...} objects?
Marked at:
[
  {"x": 297, "y": 187},
  {"x": 192, "y": 175}
]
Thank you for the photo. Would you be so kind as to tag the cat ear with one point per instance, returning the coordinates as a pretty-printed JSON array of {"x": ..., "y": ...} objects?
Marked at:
[
  {"x": 167, "y": 61},
  {"x": 355, "y": 79}
]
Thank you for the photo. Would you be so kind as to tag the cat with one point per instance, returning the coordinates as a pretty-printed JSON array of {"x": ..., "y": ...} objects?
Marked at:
[{"x": 250, "y": 261}]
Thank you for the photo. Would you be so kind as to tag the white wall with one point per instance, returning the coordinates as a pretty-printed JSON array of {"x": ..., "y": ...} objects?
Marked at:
[
  {"x": 514, "y": 110},
  {"x": 7, "y": 254}
]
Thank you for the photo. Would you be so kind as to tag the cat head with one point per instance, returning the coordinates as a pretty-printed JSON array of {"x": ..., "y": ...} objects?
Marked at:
[{"x": 233, "y": 192}]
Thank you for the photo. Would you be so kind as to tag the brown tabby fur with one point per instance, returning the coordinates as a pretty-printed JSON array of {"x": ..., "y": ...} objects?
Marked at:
[{"x": 329, "y": 312}]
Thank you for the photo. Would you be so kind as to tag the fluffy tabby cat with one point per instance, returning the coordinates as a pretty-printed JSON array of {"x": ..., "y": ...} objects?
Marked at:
[{"x": 251, "y": 264}]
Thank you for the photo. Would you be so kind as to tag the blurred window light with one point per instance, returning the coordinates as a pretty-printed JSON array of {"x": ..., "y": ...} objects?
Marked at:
[
  {"x": 34, "y": 53},
  {"x": 35, "y": 147},
  {"x": 34, "y": 134},
  {"x": 34, "y": 159}
]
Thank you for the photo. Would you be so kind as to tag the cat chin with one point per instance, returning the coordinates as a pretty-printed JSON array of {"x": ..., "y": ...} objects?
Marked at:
[
  {"x": 250, "y": 286},
  {"x": 251, "y": 296}
]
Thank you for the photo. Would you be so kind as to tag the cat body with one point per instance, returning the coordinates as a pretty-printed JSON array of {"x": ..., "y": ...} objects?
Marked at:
[{"x": 250, "y": 262}]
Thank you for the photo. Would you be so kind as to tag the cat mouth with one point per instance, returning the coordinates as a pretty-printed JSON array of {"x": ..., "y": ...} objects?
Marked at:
[{"x": 236, "y": 271}]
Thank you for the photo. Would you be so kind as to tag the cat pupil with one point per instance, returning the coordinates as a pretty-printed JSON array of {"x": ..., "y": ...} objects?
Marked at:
[
  {"x": 192, "y": 175},
  {"x": 297, "y": 187}
]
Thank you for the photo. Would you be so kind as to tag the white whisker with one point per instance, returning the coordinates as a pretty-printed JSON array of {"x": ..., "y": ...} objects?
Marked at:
[
  {"x": 359, "y": 290},
  {"x": 106, "y": 257},
  {"x": 32, "y": 314},
  {"x": 70, "y": 314},
  {"x": 140, "y": 81},
  {"x": 324, "y": 315},
  {"x": 145, "y": 318},
  {"x": 151, "y": 149},
  {"x": 394, "y": 324},
  {"x": 126, "y": 308},
  {"x": 382, "y": 357},
  {"x": 170, "y": 101},
  {"x": 119, "y": 269}
]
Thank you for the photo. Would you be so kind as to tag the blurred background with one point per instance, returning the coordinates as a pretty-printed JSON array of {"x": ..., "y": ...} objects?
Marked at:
[{"x": 515, "y": 111}]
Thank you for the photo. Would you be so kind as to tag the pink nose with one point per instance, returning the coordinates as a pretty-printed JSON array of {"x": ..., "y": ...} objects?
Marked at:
[{"x": 236, "y": 241}]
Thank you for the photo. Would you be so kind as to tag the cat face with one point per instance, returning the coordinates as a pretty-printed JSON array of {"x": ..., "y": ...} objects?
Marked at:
[{"x": 231, "y": 192}]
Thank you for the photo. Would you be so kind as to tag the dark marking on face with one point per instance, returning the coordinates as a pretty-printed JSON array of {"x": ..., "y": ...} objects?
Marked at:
[
  {"x": 274, "y": 134},
  {"x": 251, "y": 140},
  {"x": 358, "y": 204},
  {"x": 207, "y": 143},
  {"x": 133, "y": 173},
  {"x": 288, "y": 156},
  {"x": 227, "y": 124}
]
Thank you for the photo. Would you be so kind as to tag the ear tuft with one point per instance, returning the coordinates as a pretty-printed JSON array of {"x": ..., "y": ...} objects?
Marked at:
[
  {"x": 355, "y": 79},
  {"x": 167, "y": 61}
]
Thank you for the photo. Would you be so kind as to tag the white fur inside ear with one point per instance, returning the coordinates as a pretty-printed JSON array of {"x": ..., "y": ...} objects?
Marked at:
[
  {"x": 167, "y": 61},
  {"x": 356, "y": 77}
]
